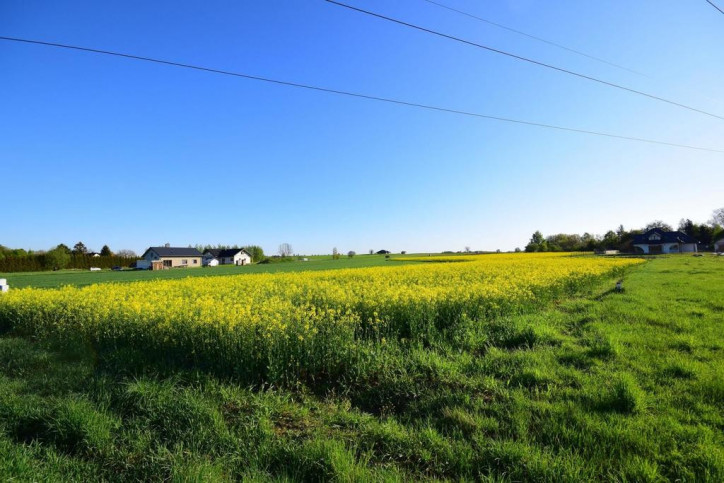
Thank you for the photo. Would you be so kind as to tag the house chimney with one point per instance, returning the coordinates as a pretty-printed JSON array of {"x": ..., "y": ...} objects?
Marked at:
[{"x": 167, "y": 245}]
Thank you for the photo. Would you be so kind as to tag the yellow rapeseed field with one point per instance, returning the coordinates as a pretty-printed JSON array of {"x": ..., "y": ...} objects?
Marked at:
[{"x": 301, "y": 324}]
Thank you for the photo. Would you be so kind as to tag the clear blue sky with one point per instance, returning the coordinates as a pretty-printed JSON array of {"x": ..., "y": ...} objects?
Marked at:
[{"x": 131, "y": 154}]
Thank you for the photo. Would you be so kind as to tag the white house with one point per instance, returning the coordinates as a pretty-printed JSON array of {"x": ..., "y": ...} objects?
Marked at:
[
  {"x": 657, "y": 241},
  {"x": 231, "y": 256},
  {"x": 719, "y": 245},
  {"x": 172, "y": 257}
]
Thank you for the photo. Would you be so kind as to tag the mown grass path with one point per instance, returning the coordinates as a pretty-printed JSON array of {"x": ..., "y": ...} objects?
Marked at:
[{"x": 612, "y": 386}]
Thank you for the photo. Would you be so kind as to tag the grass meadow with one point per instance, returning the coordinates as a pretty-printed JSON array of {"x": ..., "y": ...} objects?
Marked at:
[
  {"x": 585, "y": 384},
  {"x": 81, "y": 278}
]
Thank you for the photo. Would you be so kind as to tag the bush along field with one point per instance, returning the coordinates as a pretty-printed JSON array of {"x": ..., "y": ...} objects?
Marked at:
[{"x": 517, "y": 367}]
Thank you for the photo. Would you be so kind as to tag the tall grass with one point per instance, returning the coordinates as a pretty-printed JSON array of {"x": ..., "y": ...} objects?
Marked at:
[{"x": 613, "y": 387}]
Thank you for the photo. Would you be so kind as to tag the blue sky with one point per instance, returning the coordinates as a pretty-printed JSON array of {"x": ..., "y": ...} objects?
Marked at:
[{"x": 132, "y": 154}]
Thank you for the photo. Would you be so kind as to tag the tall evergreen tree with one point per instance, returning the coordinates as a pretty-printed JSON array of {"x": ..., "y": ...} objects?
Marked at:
[
  {"x": 687, "y": 226},
  {"x": 79, "y": 249}
]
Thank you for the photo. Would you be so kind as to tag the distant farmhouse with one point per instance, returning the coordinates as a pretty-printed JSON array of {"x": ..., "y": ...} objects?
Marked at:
[
  {"x": 232, "y": 256},
  {"x": 158, "y": 258},
  {"x": 657, "y": 241}
]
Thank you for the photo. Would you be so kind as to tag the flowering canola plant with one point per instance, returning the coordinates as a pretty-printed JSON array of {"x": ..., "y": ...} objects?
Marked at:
[{"x": 284, "y": 326}]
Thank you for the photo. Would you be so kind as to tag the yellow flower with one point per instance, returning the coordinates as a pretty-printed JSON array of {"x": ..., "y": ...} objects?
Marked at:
[{"x": 262, "y": 311}]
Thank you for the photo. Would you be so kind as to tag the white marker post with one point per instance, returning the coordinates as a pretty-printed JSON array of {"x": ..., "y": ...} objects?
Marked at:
[{"x": 4, "y": 287}]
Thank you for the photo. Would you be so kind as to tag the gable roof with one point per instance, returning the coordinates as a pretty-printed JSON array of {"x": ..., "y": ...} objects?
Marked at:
[
  {"x": 227, "y": 253},
  {"x": 174, "y": 252},
  {"x": 665, "y": 237}
]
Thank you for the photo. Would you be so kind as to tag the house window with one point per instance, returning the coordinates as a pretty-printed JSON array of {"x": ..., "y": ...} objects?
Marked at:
[
  {"x": 655, "y": 236},
  {"x": 184, "y": 262},
  {"x": 196, "y": 262}
]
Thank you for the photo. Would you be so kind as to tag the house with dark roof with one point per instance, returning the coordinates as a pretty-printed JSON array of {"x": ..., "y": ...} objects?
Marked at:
[
  {"x": 172, "y": 257},
  {"x": 231, "y": 256},
  {"x": 657, "y": 241}
]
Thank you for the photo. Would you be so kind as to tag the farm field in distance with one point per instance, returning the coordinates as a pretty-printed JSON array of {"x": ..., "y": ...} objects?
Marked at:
[
  {"x": 503, "y": 367},
  {"x": 79, "y": 278}
]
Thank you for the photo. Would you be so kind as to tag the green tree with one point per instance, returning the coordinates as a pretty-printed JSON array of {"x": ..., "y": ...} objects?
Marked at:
[
  {"x": 57, "y": 258},
  {"x": 610, "y": 240},
  {"x": 589, "y": 242},
  {"x": 717, "y": 217},
  {"x": 718, "y": 232},
  {"x": 566, "y": 243},
  {"x": 537, "y": 243},
  {"x": 256, "y": 252},
  {"x": 658, "y": 224},
  {"x": 79, "y": 249},
  {"x": 106, "y": 252},
  {"x": 65, "y": 248},
  {"x": 705, "y": 234}
]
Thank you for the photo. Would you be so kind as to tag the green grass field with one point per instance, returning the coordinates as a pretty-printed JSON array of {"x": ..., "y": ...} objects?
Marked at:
[
  {"x": 86, "y": 277},
  {"x": 604, "y": 386}
]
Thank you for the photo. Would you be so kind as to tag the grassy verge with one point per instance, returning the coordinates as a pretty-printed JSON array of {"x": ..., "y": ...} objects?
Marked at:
[{"x": 612, "y": 386}]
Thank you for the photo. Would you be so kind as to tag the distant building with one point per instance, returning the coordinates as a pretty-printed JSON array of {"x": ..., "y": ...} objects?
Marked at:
[
  {"x": 657, "y": 241},
  {"x": 231, "y": 256},
  {"x": 605, "y": 252},
  {"x": 719, "y": 245},
  {"x": 172, "y": 257}
]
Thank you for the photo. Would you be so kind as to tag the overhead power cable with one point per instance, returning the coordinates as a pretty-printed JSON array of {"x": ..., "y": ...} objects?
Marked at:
[
  {"x": 539, "y": 39},
  {"x": 525, "y": 59},
  {"x": 715, "y": 6},
  {"x": 353, "y": 94}
]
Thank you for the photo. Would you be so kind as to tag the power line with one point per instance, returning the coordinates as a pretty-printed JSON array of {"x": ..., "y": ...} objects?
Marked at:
[
  {"x": 525, "y": 59},
  {"x": 354, "y": 94},
  {"x": 715, "y": 6},
  {"x": 539, "y": 39}
]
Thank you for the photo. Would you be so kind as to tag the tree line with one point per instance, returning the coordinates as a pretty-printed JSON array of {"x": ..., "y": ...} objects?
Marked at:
[
  {"x": 621, "y": 239},
  {"x": 61, "y": 256}
]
